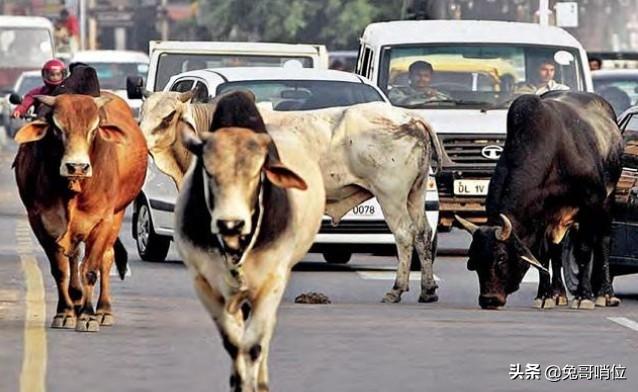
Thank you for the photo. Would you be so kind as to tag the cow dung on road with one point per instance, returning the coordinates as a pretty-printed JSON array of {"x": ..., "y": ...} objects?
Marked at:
[{"x": 312, "y": 298}]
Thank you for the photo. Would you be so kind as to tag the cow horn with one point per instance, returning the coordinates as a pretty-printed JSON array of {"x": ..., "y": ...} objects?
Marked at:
[
  {"x": 535, "y": 263},
  {"x": 101, "y": 101},
  {"x": 46, "y": 99},
  {"x": 504, "y": 233},
  {"x": 186, "y": 96},
  {"x": 146, "y": 93},
  {"x": 467, "y": 225}
]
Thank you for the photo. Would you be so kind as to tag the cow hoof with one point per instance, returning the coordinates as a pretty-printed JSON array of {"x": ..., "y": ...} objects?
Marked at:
[
  {"x": 391, "y": 298},
  {"x": 544, "y": 303},
  {"x": 607, "y": 300},
  {"x": 428, "y": 298},
  {"x": 585, "y": 304},
  {"x": 63, "y": 321},
  {"x": 105, "y": 319},
  {"x": 561, "y": 300},
  {"x": 87, "y": 324}
]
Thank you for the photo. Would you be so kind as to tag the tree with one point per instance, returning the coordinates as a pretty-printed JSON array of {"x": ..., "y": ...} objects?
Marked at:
[{"x": 335, "y": 23}]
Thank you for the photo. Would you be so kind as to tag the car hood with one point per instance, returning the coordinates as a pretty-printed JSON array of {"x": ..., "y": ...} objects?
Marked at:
[{"x": 464, "y": 120}]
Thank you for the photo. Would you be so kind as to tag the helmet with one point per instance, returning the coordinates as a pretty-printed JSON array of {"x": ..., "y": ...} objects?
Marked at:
[{"x": 50, "y": 67}]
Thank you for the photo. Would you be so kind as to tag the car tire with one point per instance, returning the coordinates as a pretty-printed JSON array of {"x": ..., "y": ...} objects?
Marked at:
[
  {"x": 337, "y": 256},
  {"x": 150, "y": 246},
  {"x": 415, "y": 263}
]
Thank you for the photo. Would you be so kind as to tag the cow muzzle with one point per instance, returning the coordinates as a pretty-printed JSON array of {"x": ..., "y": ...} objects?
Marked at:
[
  {"x": 491, "y": 301},
  {"x": 231, "y": 226},
  {"x": 76, "y": 169}
]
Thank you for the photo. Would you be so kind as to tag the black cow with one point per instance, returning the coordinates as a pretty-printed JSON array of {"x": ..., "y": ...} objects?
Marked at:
[{"x": 559, "y": 167}]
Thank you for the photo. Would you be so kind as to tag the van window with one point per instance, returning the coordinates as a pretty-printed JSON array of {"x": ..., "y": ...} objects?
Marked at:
[
  {"x": 183, "y": 86},
  {"x": 452, "y": 75},
  {"x": 367, "y": 57},
  {"x": 170, "y": 64}
]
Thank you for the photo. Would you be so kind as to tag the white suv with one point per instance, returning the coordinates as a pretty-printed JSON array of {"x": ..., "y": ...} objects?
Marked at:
[{"x": 362, "y": 230}]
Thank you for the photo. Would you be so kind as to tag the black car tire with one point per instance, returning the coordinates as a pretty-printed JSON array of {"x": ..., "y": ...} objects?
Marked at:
[
  {"x": 150, "y": 246},
  {"x": 337, "y": 256},
  {"x": 415, "y": 263}
]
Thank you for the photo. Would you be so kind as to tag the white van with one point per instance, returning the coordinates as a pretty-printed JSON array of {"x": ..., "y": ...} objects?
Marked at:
[
  {"x": 479, "y": 67},
  {"x": 170, "y": 58},
  {"x": 26, "y": 43}
]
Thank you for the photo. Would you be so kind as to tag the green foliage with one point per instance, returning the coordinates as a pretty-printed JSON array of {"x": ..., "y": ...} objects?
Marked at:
[{"x": 335, "y": 23}]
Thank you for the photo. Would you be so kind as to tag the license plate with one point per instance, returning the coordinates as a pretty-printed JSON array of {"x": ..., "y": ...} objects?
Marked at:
[
  {"x": 365, "y": 210},
  {"x": 471, "y": 187}
]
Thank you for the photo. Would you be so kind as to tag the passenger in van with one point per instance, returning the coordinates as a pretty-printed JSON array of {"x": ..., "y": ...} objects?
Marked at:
[{"x": 419, "y": 90}]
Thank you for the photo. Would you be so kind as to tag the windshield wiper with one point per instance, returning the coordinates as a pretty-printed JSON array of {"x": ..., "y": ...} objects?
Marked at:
[{"x": 456, "y": 102}]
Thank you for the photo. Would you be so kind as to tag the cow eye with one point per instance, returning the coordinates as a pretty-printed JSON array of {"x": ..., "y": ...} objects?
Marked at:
[{"x": 167, "y": 120}]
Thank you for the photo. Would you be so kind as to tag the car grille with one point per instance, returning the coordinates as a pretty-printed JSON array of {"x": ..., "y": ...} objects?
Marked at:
[
  {"x": 467, "y": 150},
  {"x": 355, "y": 227}
]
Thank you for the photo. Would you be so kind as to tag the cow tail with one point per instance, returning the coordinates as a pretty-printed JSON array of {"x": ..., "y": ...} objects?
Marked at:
[
  {"x": 121, "y": 258},
  {"x": 436, "y": 145}
]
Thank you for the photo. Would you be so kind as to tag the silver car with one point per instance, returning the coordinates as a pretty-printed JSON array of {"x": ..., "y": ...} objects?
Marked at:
[{"x": 363, "y": 229}]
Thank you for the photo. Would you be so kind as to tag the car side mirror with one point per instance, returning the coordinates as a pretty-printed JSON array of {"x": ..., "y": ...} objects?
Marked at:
[
  {"x": 134, "y": 87},
  {"x": 15, "y": 98}
]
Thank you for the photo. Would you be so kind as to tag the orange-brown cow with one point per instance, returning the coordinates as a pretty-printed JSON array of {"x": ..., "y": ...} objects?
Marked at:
[{"x": 76, "y": 173}]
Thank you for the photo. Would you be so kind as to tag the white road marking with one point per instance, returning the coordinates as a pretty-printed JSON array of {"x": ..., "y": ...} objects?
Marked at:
[
  {"x": 625, "y": 322},
  {"x": 389, "y": 275}
]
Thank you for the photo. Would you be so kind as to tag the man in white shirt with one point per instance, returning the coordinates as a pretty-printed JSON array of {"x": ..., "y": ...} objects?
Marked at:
[{"x": 546, "y": 73}]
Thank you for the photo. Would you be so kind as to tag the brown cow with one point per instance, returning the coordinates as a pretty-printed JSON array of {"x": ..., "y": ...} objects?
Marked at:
[{"x": 76, "y": 173}]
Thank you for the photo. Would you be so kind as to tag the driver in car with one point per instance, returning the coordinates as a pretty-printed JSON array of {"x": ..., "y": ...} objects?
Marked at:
[{"x": 419, "y": 90}]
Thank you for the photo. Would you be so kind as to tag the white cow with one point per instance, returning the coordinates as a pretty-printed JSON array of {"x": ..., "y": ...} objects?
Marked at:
[
  {"x": 243, "y": 219},
  {"x": 366, "y": 150}
]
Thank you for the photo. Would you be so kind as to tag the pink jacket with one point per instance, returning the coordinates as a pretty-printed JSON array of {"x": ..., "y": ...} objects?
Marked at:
[{"x": 29, "y": 98}]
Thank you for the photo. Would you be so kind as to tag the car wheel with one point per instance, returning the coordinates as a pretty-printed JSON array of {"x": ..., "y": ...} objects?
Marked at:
[
  {"x": 337, "y": 256},
  {"x": 415, "y": 263},
  {"x": 150, "y": 246}
]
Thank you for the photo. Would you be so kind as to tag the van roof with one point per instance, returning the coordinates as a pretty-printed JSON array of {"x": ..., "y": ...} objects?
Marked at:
[
  {"x": 465, "y": 31},
  {"x": 235, "y": 47},
  {"x": 25, "y": 21}
]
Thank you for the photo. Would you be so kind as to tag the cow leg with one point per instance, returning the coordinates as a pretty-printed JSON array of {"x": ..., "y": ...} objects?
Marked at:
[
  {"x": 231, "y": 328},
  {"x": 423, "y": 241},
  {"x": 400, "y": 223},
  {"x": 75, "y": 288},
  {"x": 583, "y": 253},
  {"x": 96, "y": 244},
  {"x": 104, "y": 311},
  {"x": 559, "y": 294},
  {"x": 64, "y": 315},
  {"x": 543, "y": 295},
  {"x": 601, "y": 278},
  {"x": 259, "y": 331}
]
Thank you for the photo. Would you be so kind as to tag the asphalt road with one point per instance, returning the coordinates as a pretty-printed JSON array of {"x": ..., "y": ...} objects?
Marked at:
[{"x": 163, "y": 340}]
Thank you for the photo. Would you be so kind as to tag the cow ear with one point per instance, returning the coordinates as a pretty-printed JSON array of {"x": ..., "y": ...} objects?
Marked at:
[
  {"x": 48, "y": 100},
  {"x": 471, "y": 265},
  {"x": 112, "y": 133},
  {"x": 281, "y": 176},
  {"x": 31, "y": 132},
  {"x": 191, "y": 141}
]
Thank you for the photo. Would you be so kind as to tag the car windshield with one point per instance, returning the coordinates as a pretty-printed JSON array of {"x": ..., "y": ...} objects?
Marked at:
[
  {"x": 25, "y": 47},
  {"x": 305, "y": 94},
  {"x": 28, "y": 83},
  {"x": 481, "y": 76},
  {"x": 170, "y": 64},
  {"x": 620, "y": 91},
  {"x": 112, "y": 76}
]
